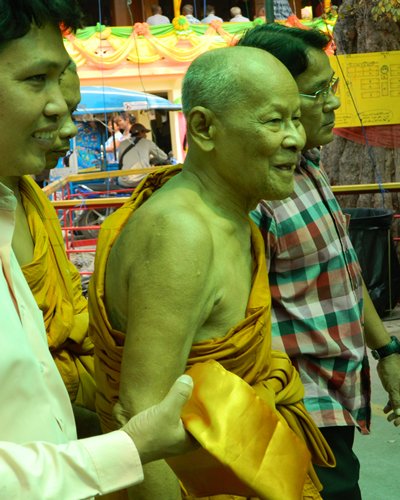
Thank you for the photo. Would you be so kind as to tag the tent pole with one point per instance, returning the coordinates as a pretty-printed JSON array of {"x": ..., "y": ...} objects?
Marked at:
[{"x": 269, "y": 11}]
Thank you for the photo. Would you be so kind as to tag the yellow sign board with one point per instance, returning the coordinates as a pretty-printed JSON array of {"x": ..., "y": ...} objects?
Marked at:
[{"x": 369, "y": 86}]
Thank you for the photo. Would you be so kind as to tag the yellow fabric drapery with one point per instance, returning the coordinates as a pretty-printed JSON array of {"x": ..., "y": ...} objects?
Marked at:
[
  {"x": 267, "y": 389},
  {"x": 109, "y": 47},
  {"x": 177, "y": 7},
  {"x": 56, "y": 286},
  {"x": 143, "y": 47}
]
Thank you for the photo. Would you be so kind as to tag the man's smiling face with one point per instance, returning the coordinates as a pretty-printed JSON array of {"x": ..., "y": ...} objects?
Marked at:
[{"x": 31, "y": 100}]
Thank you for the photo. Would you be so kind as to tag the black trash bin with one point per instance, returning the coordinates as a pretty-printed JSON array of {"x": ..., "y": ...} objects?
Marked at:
[{"x": 370, "y": 234}]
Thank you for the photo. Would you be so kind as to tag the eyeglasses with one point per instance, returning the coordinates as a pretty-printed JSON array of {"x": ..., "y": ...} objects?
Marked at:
[{"x": 320, "y": 96}]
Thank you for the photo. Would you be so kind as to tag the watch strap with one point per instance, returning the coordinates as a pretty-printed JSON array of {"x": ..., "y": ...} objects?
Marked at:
[{"x": 391, "y": 348}]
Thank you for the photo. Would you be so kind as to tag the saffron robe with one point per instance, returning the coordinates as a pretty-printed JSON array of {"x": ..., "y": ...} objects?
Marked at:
[
  {"x": 56, "y": 286},
  {"x": 268, "y": 391}
]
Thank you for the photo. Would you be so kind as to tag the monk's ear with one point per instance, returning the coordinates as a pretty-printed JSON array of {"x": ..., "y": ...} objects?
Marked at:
[{"x": 201, "y": 126}]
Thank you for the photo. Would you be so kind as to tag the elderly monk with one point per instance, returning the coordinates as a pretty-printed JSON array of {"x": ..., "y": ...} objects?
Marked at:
[
  {"x": 54, "y": 281},
  {"x": 180, "y": 283}
]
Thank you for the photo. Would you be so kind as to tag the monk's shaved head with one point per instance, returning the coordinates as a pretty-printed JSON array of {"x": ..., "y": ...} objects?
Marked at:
[{"x": 219, "y": 79}]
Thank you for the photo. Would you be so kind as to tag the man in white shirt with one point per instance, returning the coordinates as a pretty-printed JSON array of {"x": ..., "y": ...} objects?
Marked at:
[
  {"x": 237, "y": 17},
  {"x": 210, "y": 15},
  {"x": 157, "y": 17},
  {"x": 114, "y": 139},
  {"x": 137, "y": 152},
  {"x": 40, "y": 457},
  {"x": 187, "y": 11}
]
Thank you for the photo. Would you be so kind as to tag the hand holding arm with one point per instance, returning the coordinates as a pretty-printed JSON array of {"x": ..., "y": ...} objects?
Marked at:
[{"x": 158, "y": 432}]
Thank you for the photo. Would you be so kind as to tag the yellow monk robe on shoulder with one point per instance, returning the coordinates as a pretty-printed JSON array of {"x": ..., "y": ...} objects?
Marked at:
[
  {"x": 246, "y": 410},
  {"x": 56, "y": 286}
]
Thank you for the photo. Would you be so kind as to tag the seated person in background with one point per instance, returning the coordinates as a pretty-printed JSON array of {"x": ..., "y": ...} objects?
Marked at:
[
  {"x": 180, "y": 276},
  {"x": 40, "y": 455},
  {"x": 157, "y": 17},
  {"x": 282, "y": 9},
  {"x": 137, "y": 152},
  {"x": 113, "y": 141},
  {"x": 237, "y": 17},
  {"x": 261, "y": 14},
  {"x": 54, "y": 281},
  {"x": 187, "y": 11},
  {"x": 210, "y": 15},
  {"x": 125, "y": 122}
]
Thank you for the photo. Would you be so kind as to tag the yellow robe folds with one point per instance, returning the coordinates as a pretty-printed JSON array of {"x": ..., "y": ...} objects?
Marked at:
[
  {"x": 56, "y": 286},
  {"x": 259, "y": 441}
]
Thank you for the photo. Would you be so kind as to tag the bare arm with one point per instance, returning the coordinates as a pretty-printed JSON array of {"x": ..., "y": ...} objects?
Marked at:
[
  {"x": 376, "y": 336},
  {"x": 169, "y": 299}
]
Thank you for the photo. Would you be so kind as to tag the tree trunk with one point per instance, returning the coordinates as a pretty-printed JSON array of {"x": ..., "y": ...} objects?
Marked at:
[{"x": 347, "y": 162}]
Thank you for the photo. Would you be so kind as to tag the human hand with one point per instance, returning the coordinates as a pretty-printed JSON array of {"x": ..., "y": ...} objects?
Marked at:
[
  {"x": 158, "y": 432},
  {"x": 389, "y": 373}
]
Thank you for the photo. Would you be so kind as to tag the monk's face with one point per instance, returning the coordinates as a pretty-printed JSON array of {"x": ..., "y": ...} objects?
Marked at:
[
  {"x": 67, "y": 130},
  {"x": 261, "y": 137},
  {"x": 31, "y": 100}
]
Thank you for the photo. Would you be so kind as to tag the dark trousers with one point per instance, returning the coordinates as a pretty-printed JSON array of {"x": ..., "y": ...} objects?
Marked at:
[{"x": 340, "y": 483}]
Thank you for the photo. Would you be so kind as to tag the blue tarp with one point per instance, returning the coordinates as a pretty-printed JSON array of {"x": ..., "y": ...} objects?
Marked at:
[{"x": 99, "y": 99}]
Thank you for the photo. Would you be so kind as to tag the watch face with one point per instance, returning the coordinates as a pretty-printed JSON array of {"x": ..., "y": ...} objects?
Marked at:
[{"x": 375, "y": 355}]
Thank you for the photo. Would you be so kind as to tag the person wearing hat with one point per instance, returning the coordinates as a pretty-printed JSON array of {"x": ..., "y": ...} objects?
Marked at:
[{"x": 137, "y": 152}]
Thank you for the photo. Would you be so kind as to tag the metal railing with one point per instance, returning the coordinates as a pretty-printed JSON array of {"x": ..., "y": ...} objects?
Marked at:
[{"x": 66, "y": 203}]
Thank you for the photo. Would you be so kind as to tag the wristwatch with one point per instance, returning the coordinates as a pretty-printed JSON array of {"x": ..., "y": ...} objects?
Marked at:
[{"x": 391, "y": 348}]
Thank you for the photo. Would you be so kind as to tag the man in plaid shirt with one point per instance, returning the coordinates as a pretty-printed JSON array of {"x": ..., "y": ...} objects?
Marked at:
[
  {"x": 282, "y": 9},
  {"x": 321, "y": 309}
]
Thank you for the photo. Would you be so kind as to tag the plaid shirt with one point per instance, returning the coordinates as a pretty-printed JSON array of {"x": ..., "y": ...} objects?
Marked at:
[
  {"x": 282, "y": 9},
  {"x": 316, "y": 289}
]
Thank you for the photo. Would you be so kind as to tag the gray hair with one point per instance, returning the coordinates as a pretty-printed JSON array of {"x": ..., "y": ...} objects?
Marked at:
[{"x": 235, "y": 11}]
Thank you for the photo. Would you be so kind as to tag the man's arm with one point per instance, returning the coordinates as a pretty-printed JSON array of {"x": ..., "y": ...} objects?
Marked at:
[
  {"x": 170, "y": 297},
  {"x": 158, "y": 153},
  {"x": 79, "y": 469},
  {"x": 376, "y": 336},
  {"x": 97, "y": 465}
]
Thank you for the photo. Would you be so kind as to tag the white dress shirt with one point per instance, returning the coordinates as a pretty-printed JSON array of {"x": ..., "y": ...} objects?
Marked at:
[
  {"x": 191, "y": 19},
  {"x": 239, "y": 19},
  {"x": 118, "y": 137},
  {"x": 157, "y": 19},
  {"x": 211, "y": 17},
  {"x": 40, "y": 456}
]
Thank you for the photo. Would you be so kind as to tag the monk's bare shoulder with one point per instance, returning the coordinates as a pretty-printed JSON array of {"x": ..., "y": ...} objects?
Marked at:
[
  {"x": 163, "y": 265},
  {"x": 170, "y": 226}
]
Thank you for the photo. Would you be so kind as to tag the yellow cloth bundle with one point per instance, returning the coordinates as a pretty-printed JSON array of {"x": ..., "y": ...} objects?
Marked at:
[{"x": 56, "y": 286}]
